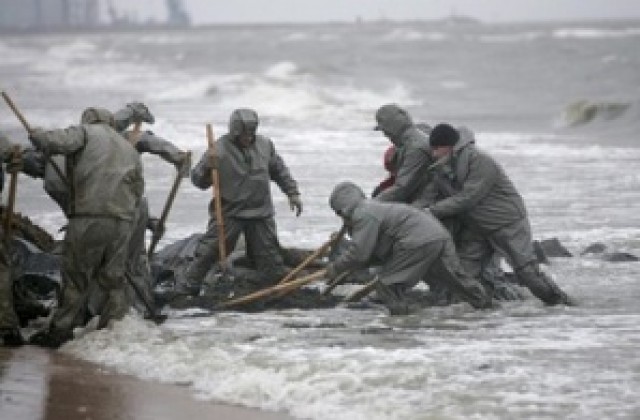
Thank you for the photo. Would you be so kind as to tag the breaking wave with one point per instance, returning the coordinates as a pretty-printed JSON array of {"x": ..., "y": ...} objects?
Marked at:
[
  {"x": 593, "y": 33},
  {"x": 409, "y": 35},
  {"x": 285, "y": 91},
  {"x": 585, "y": 112},
  {"x": 511, "y": 38}
]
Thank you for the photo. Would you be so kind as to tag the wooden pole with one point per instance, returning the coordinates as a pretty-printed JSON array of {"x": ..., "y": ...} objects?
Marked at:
[
  {"x": 319, "y": 252},
  {"x": 215, "y": 178},
  {"x": 281, "y": 289},
  {"x": 335, "y": 282},
  {"x": 11, "y": 200},
  {"x": 134, "y": 136},
  {"x": 155, "y": 238},
  {"x": 27, "y": 127},
  {"x": 362, "y": 292},
  {"x": 16, "y": 111}
]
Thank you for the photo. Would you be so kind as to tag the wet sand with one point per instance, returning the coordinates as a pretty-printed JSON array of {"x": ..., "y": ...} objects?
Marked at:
[{"x": 41, "y": 384}]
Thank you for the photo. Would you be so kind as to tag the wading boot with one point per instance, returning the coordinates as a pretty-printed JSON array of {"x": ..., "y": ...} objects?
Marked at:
[
  {"x": 543, "y": 287},
  {"x": 11, "y": 337},
  {"x": 51, "y": 338}
]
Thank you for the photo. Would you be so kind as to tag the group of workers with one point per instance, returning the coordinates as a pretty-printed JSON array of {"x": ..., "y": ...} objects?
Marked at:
[{"x": 444, "y": 214}]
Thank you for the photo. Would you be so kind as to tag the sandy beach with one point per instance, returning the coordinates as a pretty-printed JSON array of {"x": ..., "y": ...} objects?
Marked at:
[{"x": 42, "y": 384}]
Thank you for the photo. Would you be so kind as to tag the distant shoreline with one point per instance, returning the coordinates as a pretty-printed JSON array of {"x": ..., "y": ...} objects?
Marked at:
[{"x": 457, "y": 21}]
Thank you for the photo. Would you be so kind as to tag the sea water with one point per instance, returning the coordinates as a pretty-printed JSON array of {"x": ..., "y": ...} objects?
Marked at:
[{"x": 539, "y": 98}]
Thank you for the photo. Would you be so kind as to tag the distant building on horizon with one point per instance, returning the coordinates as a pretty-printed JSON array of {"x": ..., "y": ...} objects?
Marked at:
[
  {"x": 53, "y": 15},
  {"x": 19, "y": 15}
]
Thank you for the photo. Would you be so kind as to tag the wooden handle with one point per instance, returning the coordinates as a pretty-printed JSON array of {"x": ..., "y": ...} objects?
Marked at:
[
  {"x": 27, "y": 127},
  {"x": 280, "y": 289},
  {"x": 319, "y": 252},
  {"x": 134, "y": 136},
  {"x": 167, "y": 205},
  {"x": 215, "y": 178},
  {"x": 362, "y": 292},
  {"x": 341, "y": 277},
  {"x": 16, "y": 111}
]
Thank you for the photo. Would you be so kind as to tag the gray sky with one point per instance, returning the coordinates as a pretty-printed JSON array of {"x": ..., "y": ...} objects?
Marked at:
[{"x": 231, "y": 11}]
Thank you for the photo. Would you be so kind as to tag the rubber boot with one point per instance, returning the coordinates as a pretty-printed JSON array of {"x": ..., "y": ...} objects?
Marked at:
[
  {"x": 542, "y": 286},
  {"x": 11, "y": 337},
  {"x": 393, "y": 298},
  {"x": 51, "y": 338}
]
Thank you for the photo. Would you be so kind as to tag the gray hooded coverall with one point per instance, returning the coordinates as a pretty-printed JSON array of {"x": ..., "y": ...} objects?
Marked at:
[
  {"x": 137, "y": 266},
  {"x": 410, "y": 245},
  {"x": 106, "y": 185},
  {"x": 412, "y": 157},
  {"x": 245, "y": 175},
  {"x": 478, "y": 191}
]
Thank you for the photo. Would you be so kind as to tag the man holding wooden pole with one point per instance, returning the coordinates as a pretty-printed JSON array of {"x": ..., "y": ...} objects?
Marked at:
[
  {"x": 105, "y": 188},
  {"x": 140, "y": 285},
  {"x": 246, "y": 163},
  {"x": 408, "y": 243}
]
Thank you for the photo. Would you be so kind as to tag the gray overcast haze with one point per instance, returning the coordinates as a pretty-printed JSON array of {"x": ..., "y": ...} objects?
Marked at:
[{"x": 241, "y": 11}]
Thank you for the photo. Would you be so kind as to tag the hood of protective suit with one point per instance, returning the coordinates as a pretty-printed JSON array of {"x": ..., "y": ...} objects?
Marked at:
[
  {"x": 243, "y": 120},
  {"x": 97, "y": 116},
  {"x": 345, "y": 198},
  {"x": 424, "y": 127},
  {"x": 393, "y": 120},
  {"x": 466, "y": 138}
]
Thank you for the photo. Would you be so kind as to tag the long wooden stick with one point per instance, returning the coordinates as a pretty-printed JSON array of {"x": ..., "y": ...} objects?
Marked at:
[
  {"x": 215, "y": 177},
  {"x": 150, "y": 306},
  {"x": 134, "y": 135},
  {"x": 362, "y": 292},
  {"x": 155, "y": 238},
  {"x": 277, "y": 289},
  {"x": 319, "y": 252},
  {"x": 16, "y": 111},
  {"x": 335, "y": 282},
  {"x": 11, "y": 201},
  {"x": 27, "y": 127}
]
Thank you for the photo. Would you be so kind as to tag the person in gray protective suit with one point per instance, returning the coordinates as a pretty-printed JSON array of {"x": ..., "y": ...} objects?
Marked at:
[
  {"x": 410, "y": 244},
  {"x": 412, "y": 157},
  {"x": 473, "y": 187},
  {"x": 246, "y": 162},
  {"x": 413, "y": 164},
  {"x": 105, "y": 187},
  {"x": 137, "y": 267}
]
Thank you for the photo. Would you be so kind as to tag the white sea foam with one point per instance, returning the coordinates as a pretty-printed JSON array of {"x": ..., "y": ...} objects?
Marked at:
[
  {"x": 410, "y": 35},
  {"x": 77, "y": 49},
  {"x": 511, "y": 37},
  {"x": 595, "y": 33},
  {"x": 282, "y": 70},
  {"x": 296, "y": 37},
  {"x": 12, "y": 55},
  {"x": 271, "y": 364}
]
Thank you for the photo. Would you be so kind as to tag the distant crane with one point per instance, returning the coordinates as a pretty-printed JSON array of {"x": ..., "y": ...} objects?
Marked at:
[{"x": 176, "y": 13}]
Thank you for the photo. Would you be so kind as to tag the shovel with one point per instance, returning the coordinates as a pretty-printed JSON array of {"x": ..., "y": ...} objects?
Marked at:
[
  {"x": 224, "y": 267},
  {"x": 152, "y": 313},
  {"x": 182, "y": 173}
]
